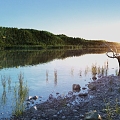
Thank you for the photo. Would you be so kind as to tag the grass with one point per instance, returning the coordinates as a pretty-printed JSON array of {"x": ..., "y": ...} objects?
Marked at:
[
  {"x": 111, "y": 109},
  {"x": 19, "y": 93}
]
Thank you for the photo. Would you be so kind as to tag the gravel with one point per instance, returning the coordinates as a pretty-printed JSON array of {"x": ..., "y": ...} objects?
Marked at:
[{"x": 105, "y": 99}]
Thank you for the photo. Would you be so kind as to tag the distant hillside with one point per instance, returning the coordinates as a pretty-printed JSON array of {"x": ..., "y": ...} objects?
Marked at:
[
  {"x": 29, "y": 37},
  {"x": 14, "y": 36}
]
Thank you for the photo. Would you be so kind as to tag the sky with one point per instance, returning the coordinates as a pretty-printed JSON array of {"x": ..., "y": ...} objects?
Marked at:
[{"x": 88, "y": 19}]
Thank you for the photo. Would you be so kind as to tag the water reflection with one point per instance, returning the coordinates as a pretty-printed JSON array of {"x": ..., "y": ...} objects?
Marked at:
[
  {"x": 80, "y": 73},
  {"x": 60, "y": 68},
  {"x": 72, "y": 71},
  {"x": 46, "y": 76},
  {"x": 4, "y": 98},
  {"x": 23, "y": 58},
  {"x": 86, "y": 70},
  {"x": 55, "y": 77},
  {"x": 9, "y": 84}
]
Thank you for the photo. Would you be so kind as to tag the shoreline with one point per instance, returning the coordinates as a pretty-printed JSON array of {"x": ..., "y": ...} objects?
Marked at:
[{"x": 103, "y": 96}]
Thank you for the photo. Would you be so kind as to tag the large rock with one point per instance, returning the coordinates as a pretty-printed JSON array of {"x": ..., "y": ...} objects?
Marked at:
[
  {"x": 92, "y": 115},
  {"x": 76, "y": 87},
  {"x": 92, "y": 86}
]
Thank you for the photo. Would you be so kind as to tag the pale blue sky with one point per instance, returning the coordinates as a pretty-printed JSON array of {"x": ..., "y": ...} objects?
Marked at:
[{"x": 89, "y": 19}]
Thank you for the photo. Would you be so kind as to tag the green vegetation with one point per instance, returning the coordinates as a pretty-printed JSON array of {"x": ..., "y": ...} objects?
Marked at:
[
  {"x": 14, "y": 38},
  {"x": 111, "y": 109},
  {"x": 19, "y": 93}
]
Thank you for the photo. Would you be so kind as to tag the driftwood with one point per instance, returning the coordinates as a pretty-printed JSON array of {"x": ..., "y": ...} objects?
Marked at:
[{"x": 114, "y": 55}]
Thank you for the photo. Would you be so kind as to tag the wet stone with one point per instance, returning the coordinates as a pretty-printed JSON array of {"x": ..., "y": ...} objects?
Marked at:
[
  {"x": 63, "y": 117},
  {"x": 54, "y": 116}
]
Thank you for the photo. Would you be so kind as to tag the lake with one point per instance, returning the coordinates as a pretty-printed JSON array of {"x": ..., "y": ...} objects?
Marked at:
[{"x": 48, "y": 72}]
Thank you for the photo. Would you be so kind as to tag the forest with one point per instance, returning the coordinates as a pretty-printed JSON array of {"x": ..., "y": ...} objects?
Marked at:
[{"x": 31, "y": 38}]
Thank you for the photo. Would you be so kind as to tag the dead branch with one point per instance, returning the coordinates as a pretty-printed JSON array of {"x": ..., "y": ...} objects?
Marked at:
[{"x": 115, "y": 54}]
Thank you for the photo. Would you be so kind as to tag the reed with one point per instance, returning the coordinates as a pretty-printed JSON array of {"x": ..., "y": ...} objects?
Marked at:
[
  {"x": 55, "y": 77},
  {"x": 3, "y": 80},
  {"x": 21, "y": 92}
]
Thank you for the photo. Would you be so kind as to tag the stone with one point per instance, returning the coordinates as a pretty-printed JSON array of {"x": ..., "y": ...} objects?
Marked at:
[
  {"x": 27, "y": 103},
  {"x": 29, "y": 98},
  {"x": 92, "y": 115},
  {"x": 34, "y": 108},
  {"x": 70, "y": 93},
  {"x": 84, "y": 88},
  {"x": 83, "y": 94},
  {"x": 74, "y": 110},
  {"x": 94, "y": 78},
  {"x": 54, "y": 116},
  {"x": 35, "y": 97},
  {"x": 76, "y": 87},
  {"x": 92, "y": 86},
  {"x": 51, "y": 97},
  {"x": 63, "y": 117},
  {"x": 68, "y": 105},
  {"x": 57, "y": 93},
  {"x": 51, "y": 111}
]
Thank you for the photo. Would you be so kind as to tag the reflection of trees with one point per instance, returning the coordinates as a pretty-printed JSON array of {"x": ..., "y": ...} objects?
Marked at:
[{"x": 22, "y": 58}]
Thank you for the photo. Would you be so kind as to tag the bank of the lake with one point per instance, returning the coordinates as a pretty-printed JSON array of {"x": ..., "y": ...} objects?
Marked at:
[{"x": 103, "y": 96}]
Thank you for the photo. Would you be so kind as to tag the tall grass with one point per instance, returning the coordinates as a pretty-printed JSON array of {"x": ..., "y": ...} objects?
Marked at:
[
  {"x": 20, "y": 94},
  {"x": 99, "y": 70},
  {"x": 4, "y": 96}
]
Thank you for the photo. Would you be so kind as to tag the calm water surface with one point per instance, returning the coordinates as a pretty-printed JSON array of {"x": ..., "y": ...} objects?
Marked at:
[{"x": 50, "y": 73}]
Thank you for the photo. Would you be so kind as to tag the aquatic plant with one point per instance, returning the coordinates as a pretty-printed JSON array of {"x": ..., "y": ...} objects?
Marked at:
[
  {"x": 97, "y": 70},
  {"x": 3, "y": 80},
  {"x": 20, "y": 94},
  {"x": 4, "y": 96},
  {"x": 55, "y": 77},
  {"x": 9, "y": 83},
  {"x": 94, "y": 69},
  {"x": 47, "y": 75}
]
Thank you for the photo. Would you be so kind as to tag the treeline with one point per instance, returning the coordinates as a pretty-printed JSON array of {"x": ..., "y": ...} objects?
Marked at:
[{"x": 14, "y": 37}]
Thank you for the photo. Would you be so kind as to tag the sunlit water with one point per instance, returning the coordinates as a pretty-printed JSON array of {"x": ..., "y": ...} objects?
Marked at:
[{"x": 53, "y": 77}]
